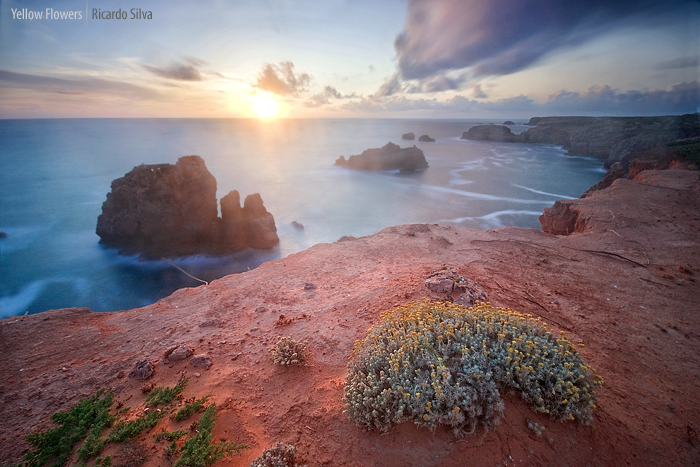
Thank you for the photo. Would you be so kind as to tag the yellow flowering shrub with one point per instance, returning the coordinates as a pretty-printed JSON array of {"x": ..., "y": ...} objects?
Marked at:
[
  {"x": 288, "y": 351},
  {"x": 437, "y": 363}
]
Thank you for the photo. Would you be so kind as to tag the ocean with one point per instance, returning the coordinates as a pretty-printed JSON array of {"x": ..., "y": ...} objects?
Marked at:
[{"x": 55, "y": 175}]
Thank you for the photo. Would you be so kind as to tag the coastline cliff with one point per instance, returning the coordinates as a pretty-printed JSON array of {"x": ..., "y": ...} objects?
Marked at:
[
  {"x": 611, "y": 138},
  {"x": 622, "y": 277}
]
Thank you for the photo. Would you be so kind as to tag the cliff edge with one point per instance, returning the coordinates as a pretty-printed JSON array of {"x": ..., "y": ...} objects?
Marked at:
[
  {"x": 609, "y": 138},
  {"x": 625, "y": 282}
]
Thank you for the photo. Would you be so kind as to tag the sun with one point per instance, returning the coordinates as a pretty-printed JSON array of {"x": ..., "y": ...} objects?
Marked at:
[{"x": 264, "y": 106}]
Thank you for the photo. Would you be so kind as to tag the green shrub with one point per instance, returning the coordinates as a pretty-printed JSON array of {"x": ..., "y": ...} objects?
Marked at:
[
  {"x": 88, "y": 415},
  {"x": 164, "y": 396},
  {"x": 437, "y": 363},
  {"x": 280, "y": 455},
  {"x": 198, "y": 451},
  {"x": 190, "y": 409},
  {"x": 288, "y": 351}
]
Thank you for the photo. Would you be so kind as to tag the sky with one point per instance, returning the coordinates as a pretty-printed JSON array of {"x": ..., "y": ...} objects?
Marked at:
[{"x": 348, "y": 58}]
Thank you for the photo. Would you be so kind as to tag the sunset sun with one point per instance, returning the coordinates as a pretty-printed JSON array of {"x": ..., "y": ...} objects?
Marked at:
[{"x": 264, "y": 106}]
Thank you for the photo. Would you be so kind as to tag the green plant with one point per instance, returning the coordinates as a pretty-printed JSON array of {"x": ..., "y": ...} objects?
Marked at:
[
  {"x": 437, "y": 363},
  {"x": 689, "y": 148},
  {"x": 280, "y": 455},
  {"x": 164, "y": 396},
  {"x": 198, "y": 450},
  {"x": 288, "y": 351},
  {"x": 124, "y": 430},
  {"x": 191, "y": 408},
  {"x": 88, "y": 415}
]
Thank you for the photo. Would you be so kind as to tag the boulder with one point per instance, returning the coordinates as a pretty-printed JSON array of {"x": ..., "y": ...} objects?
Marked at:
[
  {"x": 563, "y": 218},
  {"x": 509, "y": 122},
  {"x": 179, "y": 353},
  {"x": 388, "y": 157},
  {"x": 142, "y": 370},
  {"x": 201, "y": 361},
  {"x": 426, "y": 139},
  {"x": 3, "y": 235},
  {"x": 410, "y": 136},
  {"x": 170, "y": 210}
]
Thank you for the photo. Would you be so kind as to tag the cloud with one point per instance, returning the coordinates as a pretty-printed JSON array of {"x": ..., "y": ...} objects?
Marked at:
[
  {"x": 75, "y": 86},
  {"x": 478, "y": 92},
  {"x": 498, "y": 37},
  {"x": 323, "y": 98},
  {"x": 692, "y": 61},
  {"x": 391, "y": 86},
  {"x": 677, "y": 99},
  {"x": 597, "y": 100},
  {"x": 281, "y": 80},
  {"x": 179, "y": 72}
]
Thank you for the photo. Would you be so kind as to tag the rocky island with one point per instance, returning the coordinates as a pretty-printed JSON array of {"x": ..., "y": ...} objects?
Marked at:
[
  {"x": 389, "y": 157},
  {"x": 166, "y": 210},
  {"x": 409, "y": 136},
  {"x": 426, "y": 139},
  {"x": 611, "y": 138}
]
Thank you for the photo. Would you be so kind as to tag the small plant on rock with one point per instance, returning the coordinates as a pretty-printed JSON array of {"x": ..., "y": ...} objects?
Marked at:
[
  {"x": 444, "y": 364},
  {"x": 198, "y": 451},
  {"x": 288, "y": 351},
  {"x": 280, "y": 455}
]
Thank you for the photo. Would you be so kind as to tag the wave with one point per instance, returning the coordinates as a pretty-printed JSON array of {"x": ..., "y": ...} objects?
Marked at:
[
  {"x": 18, "y": 303},
  {"x": 494, "y": 219},
  {"x": 23, "y": 237},
  {"x": 542, "y": 192},
  {"x": 486, "y": 197}
]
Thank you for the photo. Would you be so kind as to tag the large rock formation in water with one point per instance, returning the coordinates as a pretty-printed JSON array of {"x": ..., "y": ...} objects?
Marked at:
[
  {"x": 389, "y": 157},
  {"x": 170, "y": 210},
  {"x": 609, "y": 138}
]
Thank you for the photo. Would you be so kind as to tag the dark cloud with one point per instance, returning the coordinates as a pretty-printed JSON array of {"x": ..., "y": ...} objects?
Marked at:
[
  {"x": 75, "y": 86},
  {"x": 692, "y": 61},
  {"x": 437, "y": 83},
  {"x": 391, "y": 86},
  {"x": 179, "y": 72},
  {"x": 478, "y": 92},
  {"x": 281, "y": 80},
  {"x": 597, "y": 100},
  {"x": 323, "y": 98},
  {"x": 498, "y": 37},
  {"x": 677, "y": 99}
]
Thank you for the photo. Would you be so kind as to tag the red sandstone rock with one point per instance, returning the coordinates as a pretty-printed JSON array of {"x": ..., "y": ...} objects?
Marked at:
[{"x": 170, "y": 210}]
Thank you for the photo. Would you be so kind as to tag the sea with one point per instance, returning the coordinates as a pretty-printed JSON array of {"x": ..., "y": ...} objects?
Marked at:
[{"x": 56, "y": 173}]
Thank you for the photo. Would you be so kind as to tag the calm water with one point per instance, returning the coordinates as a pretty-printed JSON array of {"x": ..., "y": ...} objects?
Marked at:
[{"x": 55, "y": 174}]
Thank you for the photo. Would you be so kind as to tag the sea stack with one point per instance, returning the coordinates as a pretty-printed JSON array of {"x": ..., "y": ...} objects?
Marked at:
[
  {"x": 170, "y": 210},
  {"x": 389, "y": 157}
]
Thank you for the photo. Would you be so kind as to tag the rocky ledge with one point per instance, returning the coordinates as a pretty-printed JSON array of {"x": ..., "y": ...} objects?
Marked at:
[
  {"x": 625, "y": 282},
  {"x": 389, "y": 157},
  {"x": 609, "y": 138},
  {"x": 167, "y": 210}
]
